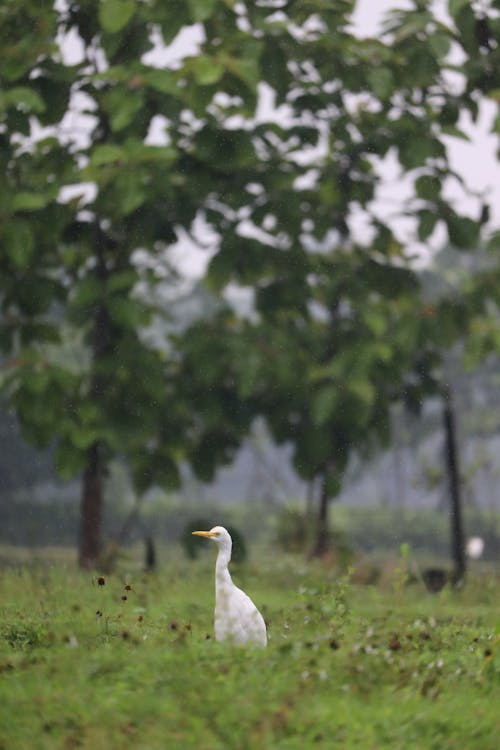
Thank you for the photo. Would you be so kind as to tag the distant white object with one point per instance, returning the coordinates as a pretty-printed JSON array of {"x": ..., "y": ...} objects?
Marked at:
[
  {"x": 475, "y": 547},
  {"x": 237, "y": 619}
]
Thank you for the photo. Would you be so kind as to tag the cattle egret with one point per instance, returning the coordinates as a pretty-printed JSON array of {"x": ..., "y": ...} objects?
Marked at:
[
  {"x": 475, "y": 547},
  {"x": 237, "y": 619}
]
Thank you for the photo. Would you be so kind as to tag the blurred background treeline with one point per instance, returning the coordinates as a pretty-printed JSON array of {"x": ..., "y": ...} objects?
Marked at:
[
  {"x": 400, "y": 496},
  {"x": 242, "y": 276}
]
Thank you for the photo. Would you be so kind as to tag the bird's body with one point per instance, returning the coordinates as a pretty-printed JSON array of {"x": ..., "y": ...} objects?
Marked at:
[{"x": 237, "y": 619}]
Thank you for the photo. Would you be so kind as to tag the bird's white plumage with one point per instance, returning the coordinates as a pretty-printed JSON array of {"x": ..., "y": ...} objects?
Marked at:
[{"x": 237, "y": 619}]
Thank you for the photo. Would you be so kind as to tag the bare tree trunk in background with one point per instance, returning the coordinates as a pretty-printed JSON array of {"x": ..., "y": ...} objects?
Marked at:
[
  {"x": 150, "y": 554},
  {"x": 457, "y": 530},
  {"x": 93, "y": 476},
  {"x": 322, "y": 541},
  {"x": 109, "y": 553},
  {"x": 310, "y": 495},
  {"x": 398, "y": 458},
  {"x": 91, "y": 511}
]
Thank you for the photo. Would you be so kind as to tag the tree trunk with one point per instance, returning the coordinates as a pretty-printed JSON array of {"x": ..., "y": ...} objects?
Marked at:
[
  {"x": 310, "y": 496},
  {"x": 456, "y": 528},
  {"x": 322, "y": 541},
  {"x": 101, "y": 337},
  {"x": 150, "y": 554},
  {"x": 91, "y": 511},
  {"x": 112, "y": 548}
]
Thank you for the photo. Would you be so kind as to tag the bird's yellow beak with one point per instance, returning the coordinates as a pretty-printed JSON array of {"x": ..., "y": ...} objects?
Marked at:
[{"x": 207, "y": 534}]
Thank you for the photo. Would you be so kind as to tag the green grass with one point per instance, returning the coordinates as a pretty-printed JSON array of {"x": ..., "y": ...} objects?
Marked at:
[{"x": 347, "y": 666}]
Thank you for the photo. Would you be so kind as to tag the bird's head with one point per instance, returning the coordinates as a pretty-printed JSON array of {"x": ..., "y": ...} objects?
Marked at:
[{"x": 219, "y": 535}]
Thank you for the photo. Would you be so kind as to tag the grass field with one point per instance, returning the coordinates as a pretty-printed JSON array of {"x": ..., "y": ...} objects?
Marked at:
[{"x": 347, "y": 666}]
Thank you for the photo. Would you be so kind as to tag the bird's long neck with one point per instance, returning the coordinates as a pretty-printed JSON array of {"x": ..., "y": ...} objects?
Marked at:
[{"x": 222, "y": 575}]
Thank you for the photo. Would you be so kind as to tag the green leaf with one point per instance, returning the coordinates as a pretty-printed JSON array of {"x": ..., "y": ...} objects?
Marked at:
[
  {"x": 427, "y": 223},
  {"x": 247, "y": 69},
  {"x": 428, "y": 187},
  {"x": 220, "y": 270},
  {"x": 227, "y": 150},
  {"x": 144, "y": 154},
  {"x": 30, "y": 201},
  {"x": 106, "y": 154},
  {"x": 324, "y": 404},
  {"x": 465, "y": 21},
  {"x": 175, "y": 15},
  {"x": 416, "y": 22},
  {"x": 86, "y": 293},
  {"x": 362, "y": 390},
  {"x": 376, "y": 321},
  {"x": 36, "y": 293},
  {"x": 440, "y": 44},
  {"x": 19, "y": 242},
  {"x": 69, "y": 459},
  {"x": 381, "y": 82},
  {"x": 130, "y": 191},
  {"x": 415, "y": 151},
  {"x": 206, "y": 70},
  {"x": 275, "y": 68},
  {"x": 200, "y": 10},
  {"x": 333, "y": 482},
  {"x": 127, "y": 312},
  {"x": 114, "y": 15},
  {"x": 455, "y": 6},
  {"x": 449, "y": 113},
  {"x": 162, "y": 80},
  {"x": 26, "y": 98},
  {"x": 36, "y": 380},
  {"x": 246, "y": 65},
  {"x": 454, "y": 132},
  {"x": 463, "y": 232},
  {"x": 122, "y": 281},
  {"x": 122, "y": 106}
]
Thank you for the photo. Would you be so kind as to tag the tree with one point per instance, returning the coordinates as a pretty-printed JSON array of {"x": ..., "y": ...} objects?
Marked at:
[
  {"x": 340, "y": 329},
  {"x": 71, "y": 269},
  {"x": 71, "y": 263}
]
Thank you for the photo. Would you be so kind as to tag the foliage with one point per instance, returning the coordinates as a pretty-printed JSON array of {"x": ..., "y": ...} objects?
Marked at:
[
  {"x": 341, "y": 328},
  {"x": 129, "y": 662},
  {"x": 478, "y": 33},
  {"x": 338, "y": 331},
  {"x": 23, "y": 635}
]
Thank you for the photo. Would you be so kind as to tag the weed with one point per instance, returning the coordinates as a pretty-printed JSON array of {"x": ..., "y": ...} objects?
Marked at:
[
  {"x": 20, "y": 634},
  {"x": 347, "y": 666}
]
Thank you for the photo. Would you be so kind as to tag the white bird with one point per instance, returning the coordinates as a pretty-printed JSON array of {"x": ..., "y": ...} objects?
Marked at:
[{"x": 237, "y": 619}]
